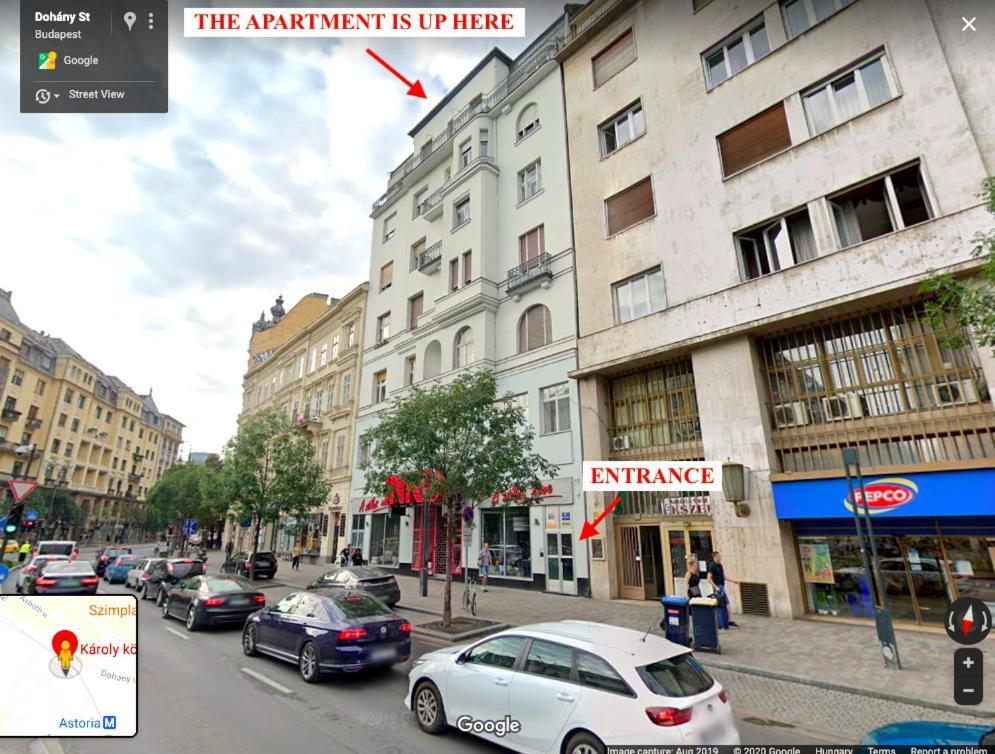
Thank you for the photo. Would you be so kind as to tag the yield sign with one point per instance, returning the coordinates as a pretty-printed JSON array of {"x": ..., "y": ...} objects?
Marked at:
[{"x": 21, "y": 488}]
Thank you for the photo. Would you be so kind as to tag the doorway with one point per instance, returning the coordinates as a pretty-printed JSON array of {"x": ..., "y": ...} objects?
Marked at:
[
  {"x": 683, "y": 541},
  {"x": 560, "y": 576},
  {"x": 651, "y": 561}
]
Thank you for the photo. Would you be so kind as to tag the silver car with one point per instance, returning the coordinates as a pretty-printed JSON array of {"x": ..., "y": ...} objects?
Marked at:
[{"x": 134, "y": 578}]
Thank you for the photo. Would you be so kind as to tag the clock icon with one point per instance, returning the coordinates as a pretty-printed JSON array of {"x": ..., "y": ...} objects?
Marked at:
[{"x": 42, "y": 96}]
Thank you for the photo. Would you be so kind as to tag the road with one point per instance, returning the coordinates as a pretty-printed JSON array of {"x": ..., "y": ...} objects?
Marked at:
[{"x": 196, "y": 694}]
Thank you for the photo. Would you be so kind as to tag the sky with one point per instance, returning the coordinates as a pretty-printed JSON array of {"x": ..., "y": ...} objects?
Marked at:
[{"x": 150, "y": 243}]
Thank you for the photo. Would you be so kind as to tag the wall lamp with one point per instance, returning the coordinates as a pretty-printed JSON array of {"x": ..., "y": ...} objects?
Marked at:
[{"x": 736, "y": 486}]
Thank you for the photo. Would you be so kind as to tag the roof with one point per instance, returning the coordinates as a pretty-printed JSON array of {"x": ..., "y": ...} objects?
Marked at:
[
  {"x": 7, "y": 308},
  {"x": 149, "y": 404},
  {"x": 625, "y": 644}
]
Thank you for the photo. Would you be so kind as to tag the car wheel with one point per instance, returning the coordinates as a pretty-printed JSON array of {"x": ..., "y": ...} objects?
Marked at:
[
  {"x": 429, "y": 712},
  {"x": 192, "y": 623},
  {"x": 165, "y": 608},
  {"x": 583, "y": 742},
  {"x": 160, "y": 596},
  {"x": 308, "y": 663},
  {"x": 249, "y": 640}
]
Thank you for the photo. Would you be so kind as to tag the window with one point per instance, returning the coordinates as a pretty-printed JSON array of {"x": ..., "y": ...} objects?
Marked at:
[
  {"x": 380, "y": 386},
  {"x": 416, "y": 250},
  {"x": 754, "y": 140},
  {"x": 389, "y": 227},
  {"x": 528, "y": 120},
  {"x": 415, "y": 304},
  {"x": 555, "y": 408},
  {"x": 5, "y": 334},
  {"x": 69, "y": 396},
  {"x": 364, "y": 451},
  {"x": 350, "y": 335},
  {"x": 416, "y": 202},
  {"x": 383, "y": 328},
  {"x": 465, "y": 153},
  {"x": 17, "y": 378},
  {"x": 322, "y": 360},
  {"x": 331, "y": 395},
  {"x": 529, "y": 181},
  {"x": 741, "y": 49},
  {"x": 453, "y": 274},
  {"x": 317, "y": 401},
  {"x": 467, "y": 267},
  {"x": 884, "y": 205},
  {"x": 800, "y": 15},
  {"x": 497, "y": 653},
  {"x": 630, "y": 206},
  {"x": 335, "y": 346},
  {"x": 63, "y": 418},
  {"x": 346, "y": 388},
  {"x": 40, "y": 387},
  {"x": 548, "y": 659},
  {"x": 409, "y": 371},
  {"x": 777, "y": 244},
  {"x": 55, "y": 447},
  {"x": 98, "y": 411},
  {"x": 531, "y": 245},
  {"x": 386, "y": 276},
  {"x": 534, "y": 328},
  {"x": 313, "y": 362},
  {"x": 639, "y": 296},
  {"x": 484, "y": 142},
  {"x": 845, "y": 96},
  {"x": 74, "y": 427},
  {"x": 681, "y": 675},
  {"x": 69, "y": 450},
  {"x": 300, "y": 367},
  {"x": 619, "y": 130},
  {"x": 461, "y": 212},
  {"x": 463, "y": 348},
  {"x": 613, "y": 58},
  {"x": 340, "y": 451}
]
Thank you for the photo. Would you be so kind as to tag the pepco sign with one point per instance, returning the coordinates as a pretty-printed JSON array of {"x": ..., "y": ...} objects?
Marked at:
[{"x": 884, "y": 495}]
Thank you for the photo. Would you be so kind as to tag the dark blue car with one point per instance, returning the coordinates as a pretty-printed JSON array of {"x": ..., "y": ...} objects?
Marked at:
[
  {"x": 927, "y": 732},
  {"x": 343, "y": 631}
]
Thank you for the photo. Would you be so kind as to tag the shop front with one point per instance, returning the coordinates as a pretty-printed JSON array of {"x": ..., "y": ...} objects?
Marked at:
[{"x": 934, "y": 533}]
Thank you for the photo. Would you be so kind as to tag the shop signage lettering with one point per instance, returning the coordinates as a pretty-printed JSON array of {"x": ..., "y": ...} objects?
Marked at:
[
  {"x": 883, "y": 495},
  {"x": 402, "y": 493},
  {"x": 686, "y": 506},
  {"x": 515, "y": 495}
]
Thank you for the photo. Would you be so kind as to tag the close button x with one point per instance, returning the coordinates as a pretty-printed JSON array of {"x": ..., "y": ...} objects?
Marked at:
[{"x": 968, "y": 24}]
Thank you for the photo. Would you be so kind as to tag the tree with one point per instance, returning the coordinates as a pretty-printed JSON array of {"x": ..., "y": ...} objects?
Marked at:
[
  {"x": 455, "y": 445},
  {"x": 971, "y": 303},
  {"x": 270, "y": 469},
  {"x": 187, "y": 491},
  {"x": 53, "y": 505}
]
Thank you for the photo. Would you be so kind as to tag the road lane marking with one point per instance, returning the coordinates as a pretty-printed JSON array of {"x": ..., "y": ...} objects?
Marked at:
[
  {"x": 267, "y": 681},
  {"x": 177, "y": 633}
]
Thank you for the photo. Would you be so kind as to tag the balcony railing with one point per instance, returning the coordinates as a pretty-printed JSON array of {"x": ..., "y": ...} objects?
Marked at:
[
  {"x": 431, "y": 202},
  {"x": 431, "y": 256},
  {"x": 32, "y": 422},
  {"x": 134, "y": 477},
  {"x": 10, "y": 414},
  {"x": 533, "y": 271},
  {"x": 137, "y": 457}
]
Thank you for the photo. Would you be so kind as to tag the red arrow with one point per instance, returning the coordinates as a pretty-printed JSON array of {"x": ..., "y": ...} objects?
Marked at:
[
  {"x": 414, "y": 90},
  {"x": 591, "y": 530}
]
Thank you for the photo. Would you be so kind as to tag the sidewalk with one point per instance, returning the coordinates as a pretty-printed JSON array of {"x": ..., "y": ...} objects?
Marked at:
[{"x": 815, "y": 653}]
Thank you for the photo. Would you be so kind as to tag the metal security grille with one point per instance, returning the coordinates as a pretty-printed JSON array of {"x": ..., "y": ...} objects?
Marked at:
[
  {"x": 754, "y": 599},
  {"x": 887, "y": 382}
]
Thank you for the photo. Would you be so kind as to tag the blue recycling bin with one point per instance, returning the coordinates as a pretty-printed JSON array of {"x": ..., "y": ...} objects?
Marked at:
[
  {"x": 676, "y": 624},
  {"x": 705, "y": 622}
]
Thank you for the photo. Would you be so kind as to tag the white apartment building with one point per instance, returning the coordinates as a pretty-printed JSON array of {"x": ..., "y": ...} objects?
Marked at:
[
  {"x": 759, "y": 189},
  {"x": 472, "y": 267}
]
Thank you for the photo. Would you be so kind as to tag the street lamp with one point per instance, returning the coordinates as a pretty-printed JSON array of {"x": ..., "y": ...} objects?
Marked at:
[{"x": 736, "y": 486}]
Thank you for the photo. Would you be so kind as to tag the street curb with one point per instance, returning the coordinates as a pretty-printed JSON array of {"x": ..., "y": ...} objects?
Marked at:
[
  {"x": 424, "y": 610},
  {"x": 459, "y": 638}
]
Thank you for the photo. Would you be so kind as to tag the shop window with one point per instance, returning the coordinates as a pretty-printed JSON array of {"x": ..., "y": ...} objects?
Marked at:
[
  {"x": 357, "y": 535},
  {"x": 507, "y": 533}
]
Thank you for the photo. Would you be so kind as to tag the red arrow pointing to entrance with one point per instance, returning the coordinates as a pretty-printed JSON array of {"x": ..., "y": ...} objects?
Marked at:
[
  {"x": 591, "y": 530},
  {"x": 414, "y": 90}
]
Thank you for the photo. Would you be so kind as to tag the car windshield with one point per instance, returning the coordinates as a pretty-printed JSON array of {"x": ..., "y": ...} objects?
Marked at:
[
  {"x": 186, "y": 568},
  {"x": 62, "y": 568},
  {"x": 676, "y": 676},
  {"x": 358, "y": 606},
  {"x": 233, "y": 584},
  {"x": 267, "y": 556},
  {"x": 56, "y": 548},
  {"x": 363, "y": 573},
  {"x": 41, "y": 561},
  {"x": 127, "y": 561}
]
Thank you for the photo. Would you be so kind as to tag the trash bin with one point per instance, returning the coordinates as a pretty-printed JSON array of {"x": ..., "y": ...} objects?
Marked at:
[
  {"x": 676, "y": 624},
  {"x": 705, "y": 622}
]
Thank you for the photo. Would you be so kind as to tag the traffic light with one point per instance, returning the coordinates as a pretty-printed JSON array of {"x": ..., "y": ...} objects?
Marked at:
[
  {"x": 14, "y": 518},
  {"x": 28, "y": 526}
]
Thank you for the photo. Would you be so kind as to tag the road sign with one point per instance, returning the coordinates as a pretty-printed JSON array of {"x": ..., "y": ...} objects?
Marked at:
[
  {"x": 245, "y": 523},
  {"x": 21, "y": 488},
  {"x": 190, "y": 526},
  {"x": 31, "y": 516},
  {"x": 4, "y": 573}
]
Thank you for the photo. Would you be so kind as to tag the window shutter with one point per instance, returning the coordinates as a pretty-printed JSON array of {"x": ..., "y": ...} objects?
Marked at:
[
  {"x": 386, "y": 275},
  {"x": 613, "y": 58},
  {"x": 453, "y": 274},
  {"x": 630, "y": 206},
  {"x": 416, "y": 309},
  {"x": 754, "y": 139},
  {"x": 467, "y": 267}
]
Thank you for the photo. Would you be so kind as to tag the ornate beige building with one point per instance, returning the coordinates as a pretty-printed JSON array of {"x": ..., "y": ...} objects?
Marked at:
[{"x": 305, "y": 363}]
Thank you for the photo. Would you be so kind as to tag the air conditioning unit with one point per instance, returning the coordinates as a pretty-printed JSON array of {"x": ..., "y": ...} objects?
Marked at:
[
  {"x": 843, "y": 406},
  {"x": 792, "y": 414},
  {"x": 621, "y": 442},
  {"x": 955, "y": 392}
]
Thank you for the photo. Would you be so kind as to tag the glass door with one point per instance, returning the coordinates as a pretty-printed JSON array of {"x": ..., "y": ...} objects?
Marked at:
[
  {"x": 677, "y": 562},
  {"x": 559, "y": 551},
  {"x": 930, "y": 581}
]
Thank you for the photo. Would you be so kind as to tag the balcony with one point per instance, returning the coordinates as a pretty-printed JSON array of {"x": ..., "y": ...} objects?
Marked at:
[
  {"x": 310, "y": 421},
  {"x": 32, "y": 422},
  {"x": 535, "y": 272},
  {"x": 134, "y": 477},
  {"x": 6, "y": 446},
  {"x": 430, "y": 260},
  {"x": 431, "y": 208},
  {"x": 137, "y": 457},
  {"x": 10, "y": 414}
]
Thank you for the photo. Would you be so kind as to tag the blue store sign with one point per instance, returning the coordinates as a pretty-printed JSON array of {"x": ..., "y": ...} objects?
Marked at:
[{"x": 938, "y": 493}]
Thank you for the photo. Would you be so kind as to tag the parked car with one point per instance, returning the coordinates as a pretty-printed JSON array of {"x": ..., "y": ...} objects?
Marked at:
[
  {"x": 325, "y": 632},
  {"x": 374, "y": 581},
  {"x": 572, "y": 686},
  {"x": 139, "y": 574},
  {"x": 29, "y": 572},
  {"x": 251, "y": 565},
  {"x": 12, "y": 547},
  {"x": 167, "y": 572},
  {"x": 117, "y": 571},
  {"x": 210, "y": 600},
  {"x": 930, "y": 733},
  {"x": 55, "y": 547},
  {"x": 106, "y": 555},
  {"x": 65, "y": 577}
]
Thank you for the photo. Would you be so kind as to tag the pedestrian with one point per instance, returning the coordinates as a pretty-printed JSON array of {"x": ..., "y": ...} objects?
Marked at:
[
  {"x": 344, "y": 558},
  {"x": 74, "y": 555},
  {"x": 295, "y": 557},
  {"x": 228, "y": 550},
  {"x": 484, "y": 564},
  {"x": 357, "y": 556},
  {"x": 717, "y": 578},
  {"x": 25, "y": 549},
  {"x": 692, "y": 578}
]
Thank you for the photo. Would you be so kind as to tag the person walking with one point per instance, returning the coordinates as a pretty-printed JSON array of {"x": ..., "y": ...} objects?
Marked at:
[
  {"x": 692, "y": 578},
  {"x": 717, "y": 578},
  {"x": 295, "y": 557},
  {"x": 228, "y": 550},
  {"x": 357, "y": 556},
  {"x": 23, "y": 554},
  {"x": 484, "y": 564},
  {"x": 344, "y": 558}
]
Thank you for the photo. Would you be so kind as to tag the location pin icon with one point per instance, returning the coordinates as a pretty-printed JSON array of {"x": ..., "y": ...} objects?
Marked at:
[{"x": 129, "y": 18}]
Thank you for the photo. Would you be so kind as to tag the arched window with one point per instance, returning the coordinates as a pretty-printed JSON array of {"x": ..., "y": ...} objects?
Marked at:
[
  {"x": 463, "y": 348},
  {"x": 433, "y": 360},
  {"x": 528, "y": 120},
  {"x": 535, "y": 328}
]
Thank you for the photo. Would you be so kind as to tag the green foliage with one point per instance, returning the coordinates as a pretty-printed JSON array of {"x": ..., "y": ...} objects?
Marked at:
[
  {"x": 970, "y": 302},
  {"x": 185, "y": 491},
  {"x": 64, "y": 506}
]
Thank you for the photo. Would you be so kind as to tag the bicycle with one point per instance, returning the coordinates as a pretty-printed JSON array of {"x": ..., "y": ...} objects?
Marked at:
[{"x": 470, "y": 591}]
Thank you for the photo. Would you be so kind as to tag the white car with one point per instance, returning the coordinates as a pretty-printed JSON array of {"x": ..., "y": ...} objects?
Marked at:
[
  {"x": 55, "y": 547},
  {"x": 571, "y": 687},
  {"x": 133, "y": 579},
  {"x": 37, "y": 563}
]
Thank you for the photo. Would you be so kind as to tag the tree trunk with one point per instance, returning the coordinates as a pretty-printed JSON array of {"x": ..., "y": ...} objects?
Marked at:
[
  {"x": 255, "y": 533},
  {"x": 447, "y": 599}
]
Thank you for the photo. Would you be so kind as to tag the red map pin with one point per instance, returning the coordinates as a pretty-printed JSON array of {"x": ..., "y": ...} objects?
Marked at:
[{"x": 62, "y": 636}]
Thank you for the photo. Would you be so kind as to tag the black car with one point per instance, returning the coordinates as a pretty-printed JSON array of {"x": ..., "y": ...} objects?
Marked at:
[
  {"x": 166, "y": 573},
  {"x": 106, "y": 556},
  {"x": 210, "y": 600},
  {"x": 62, "y": 577},
  {"x": 374, "y": 581},
  {"x": 251, "y": 565}
]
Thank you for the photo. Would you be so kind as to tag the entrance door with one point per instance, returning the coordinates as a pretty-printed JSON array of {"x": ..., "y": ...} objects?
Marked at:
[
  {"x": 630, "y": 568},
  {"x": 560, "y": 562},
  {"x": 677, "y": 562},
  {"x": 654, "y": 578}
]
